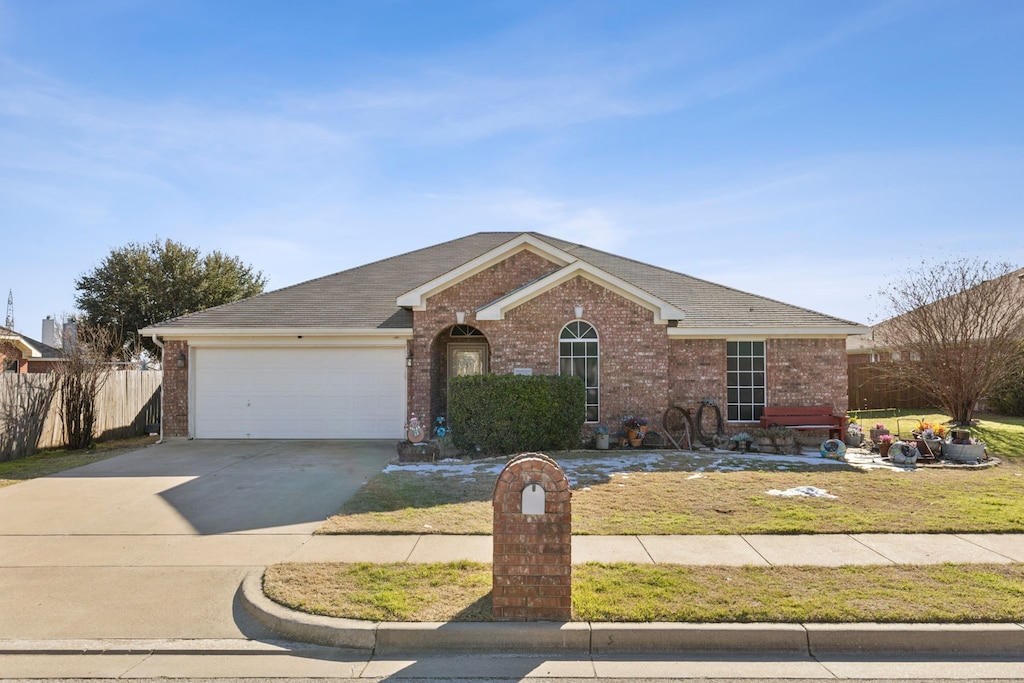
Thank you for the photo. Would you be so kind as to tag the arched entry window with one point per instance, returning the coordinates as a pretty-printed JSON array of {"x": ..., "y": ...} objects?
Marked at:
[{"x": 577, "y": 355}]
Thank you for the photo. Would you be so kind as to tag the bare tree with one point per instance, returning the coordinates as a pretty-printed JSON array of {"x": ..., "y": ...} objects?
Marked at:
[
  {"x": 24, "y": 403},
  {"x": 80, "y": 376},
  {"x": 955, "y": 330}
]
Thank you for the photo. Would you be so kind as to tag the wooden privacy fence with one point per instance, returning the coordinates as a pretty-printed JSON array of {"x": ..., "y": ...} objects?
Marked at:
[
  {"x": 128, "y": 401},
  {"x": 870, "y": 390}
]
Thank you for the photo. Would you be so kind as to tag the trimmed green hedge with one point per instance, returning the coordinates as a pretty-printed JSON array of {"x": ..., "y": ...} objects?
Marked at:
[{"x": 505, "y": 414}]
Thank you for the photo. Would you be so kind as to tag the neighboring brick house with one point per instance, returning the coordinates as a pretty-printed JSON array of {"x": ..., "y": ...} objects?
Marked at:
[
  {"x": 20, "y": 354},
  {"x": 352, "y": 355}
]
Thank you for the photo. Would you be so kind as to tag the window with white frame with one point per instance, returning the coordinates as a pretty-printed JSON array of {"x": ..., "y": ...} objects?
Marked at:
[
  {"x": 577, "y": 355},
  {"x": 745, "y": 380}
]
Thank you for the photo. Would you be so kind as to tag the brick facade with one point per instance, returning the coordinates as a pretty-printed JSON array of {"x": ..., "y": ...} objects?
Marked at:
[
  {"x": 807, "y": 372},
  {"x": 175, "y": 390},
  {"x": 11, "y": 353},
  {"x": 697, "y": 371},
  {"x": 532, "y": 561},
  {"x": 643, "y": 370},
  {"x": 634, "y": 351}
]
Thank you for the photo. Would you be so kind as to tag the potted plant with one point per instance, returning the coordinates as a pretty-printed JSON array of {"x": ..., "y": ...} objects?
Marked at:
[
  {"x": 601, "y": 437},
  {"x": 636, "y": 428},
  {"x": 742, "y": 441},
  {"x": 931, "y": 435},
  {"x": 884, "y": 444},
  {"x": 777, "y": 439},
  {"x": 963, "y": 449},
  {"x": 877, "y": 431},
  {"x": 854, "y": 434}
]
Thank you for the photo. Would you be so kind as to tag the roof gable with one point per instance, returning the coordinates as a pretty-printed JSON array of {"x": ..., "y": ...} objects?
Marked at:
[
  {"x": 663, "y": 311},
  {"x": 20, "y": 342},
  {"x": 416, "y": 299}
]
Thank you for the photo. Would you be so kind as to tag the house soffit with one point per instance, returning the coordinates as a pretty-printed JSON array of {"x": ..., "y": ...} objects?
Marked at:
[
  {"x": 765, "y": 332},
  {"x": 416, "y": 299},
  {"x": 663, "y": 311},
  {"x": 27, "y": 350}
]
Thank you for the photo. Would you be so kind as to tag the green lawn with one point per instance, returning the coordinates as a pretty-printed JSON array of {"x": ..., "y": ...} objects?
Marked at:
[
  {"x": 695, "y": 494},
  {"x": 1003, "y": 435},
  {"x": 719, "y": 494},
  {"x": 460, "y": 591}
]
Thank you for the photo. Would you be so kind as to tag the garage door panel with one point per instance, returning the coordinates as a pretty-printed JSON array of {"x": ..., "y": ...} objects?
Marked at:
[{"x": 303, "y": 394}]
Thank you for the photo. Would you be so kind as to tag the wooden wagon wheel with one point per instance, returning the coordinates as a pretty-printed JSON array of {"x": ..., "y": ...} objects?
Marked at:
[{"x": 678, "y": 427}]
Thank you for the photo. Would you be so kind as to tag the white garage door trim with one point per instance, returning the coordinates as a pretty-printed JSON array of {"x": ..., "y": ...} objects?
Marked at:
[{"x": 298, "y": 393}]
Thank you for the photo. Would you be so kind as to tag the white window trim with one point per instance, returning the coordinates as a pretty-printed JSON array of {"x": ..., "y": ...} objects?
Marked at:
[
  {"x": 763, "y": 387},
  {"x": 597, "y": 340}
]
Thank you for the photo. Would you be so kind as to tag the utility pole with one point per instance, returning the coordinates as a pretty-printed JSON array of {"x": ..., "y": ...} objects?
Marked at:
[{"x": 10, "y": 310}]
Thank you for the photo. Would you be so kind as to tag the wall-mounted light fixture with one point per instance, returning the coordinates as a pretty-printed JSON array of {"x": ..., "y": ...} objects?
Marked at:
[
  {"x": 578, "y": 310},
  {"x": 408, "y": 360},
  {"x": 181, "y": 360},
  {"x": 460, "y": 317}
]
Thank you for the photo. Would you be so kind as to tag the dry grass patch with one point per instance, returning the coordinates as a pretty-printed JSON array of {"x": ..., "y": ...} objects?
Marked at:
[
  {"x": 632, "y": 593},
  {"x": 456, "y": 591},
  {"x": 922, "y": 501},
  {"x": 46, "y": 463},
  {"x": 677, "y": 494}
]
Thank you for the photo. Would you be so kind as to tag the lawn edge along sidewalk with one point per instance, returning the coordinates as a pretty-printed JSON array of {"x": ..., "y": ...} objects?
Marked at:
[{"x": 593, "y": 637}]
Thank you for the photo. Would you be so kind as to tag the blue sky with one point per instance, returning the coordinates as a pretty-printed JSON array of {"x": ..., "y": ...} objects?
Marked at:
[{"x": 803, "y": 150}]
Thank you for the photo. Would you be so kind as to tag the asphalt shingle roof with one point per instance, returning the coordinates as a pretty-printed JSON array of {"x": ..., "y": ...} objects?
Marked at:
[
  {"x": 365, "y": 297},
  {"x": 46, "y": 352}
]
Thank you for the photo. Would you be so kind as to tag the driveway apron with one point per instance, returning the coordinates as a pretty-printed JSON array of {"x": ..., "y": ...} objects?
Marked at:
[{"x": 154, "y": 543}]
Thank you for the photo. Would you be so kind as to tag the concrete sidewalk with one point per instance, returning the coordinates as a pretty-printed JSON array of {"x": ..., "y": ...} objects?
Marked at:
[
  {"x": 148, "y": 565},
  {"x": 826, "y": 550}
]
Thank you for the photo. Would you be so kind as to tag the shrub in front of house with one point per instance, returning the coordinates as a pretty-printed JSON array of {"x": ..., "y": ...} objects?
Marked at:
[
  {"x": 1007, "y": 398},
  {"x": 505, "y": 414}
]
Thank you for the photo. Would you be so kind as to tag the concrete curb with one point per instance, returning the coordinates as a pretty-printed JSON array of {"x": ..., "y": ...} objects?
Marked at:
[
  {"x": 930, "y": 639},
  {"x": 386, "y": 638},
  {"x": 305, "y": 628},
  {"x": 669, "y": 637},
  {"x": 540, "y": 637}
]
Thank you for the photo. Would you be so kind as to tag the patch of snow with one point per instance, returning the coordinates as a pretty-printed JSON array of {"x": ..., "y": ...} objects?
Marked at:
[
  {"x": 696, "y": 476},
  {"x": 805, "y": 491},
  {"x": 587, "y": 469}
]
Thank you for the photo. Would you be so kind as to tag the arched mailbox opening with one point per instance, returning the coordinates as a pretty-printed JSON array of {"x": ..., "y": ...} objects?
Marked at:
[{"x": 532, "y": 566}]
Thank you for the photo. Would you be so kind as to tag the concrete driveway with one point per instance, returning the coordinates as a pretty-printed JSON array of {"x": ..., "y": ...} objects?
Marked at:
[{"x": 154, "y": 543}]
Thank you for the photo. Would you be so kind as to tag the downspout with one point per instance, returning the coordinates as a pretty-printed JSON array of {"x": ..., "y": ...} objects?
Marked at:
[{"x": 160, "y": 344}]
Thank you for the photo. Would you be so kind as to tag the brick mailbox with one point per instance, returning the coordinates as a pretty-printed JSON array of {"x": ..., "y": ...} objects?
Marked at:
[{"x": 532, "y": 567}]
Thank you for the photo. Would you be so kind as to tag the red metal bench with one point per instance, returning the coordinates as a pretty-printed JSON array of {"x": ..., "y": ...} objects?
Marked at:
[{"x": 805, "y": 418}]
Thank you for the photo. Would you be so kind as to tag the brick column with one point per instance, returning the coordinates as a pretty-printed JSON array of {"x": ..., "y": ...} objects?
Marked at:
[{"x": 532, "y": 566}]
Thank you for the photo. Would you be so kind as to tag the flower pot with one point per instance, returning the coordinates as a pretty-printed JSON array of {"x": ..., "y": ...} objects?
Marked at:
[
  {"x": 601, "y": 442},
  {"x": 883, "y": 448},
  {"x": 636, "y": 443},
  {"x": 875, "y": 433},
  {"x": 963, "y": 453},
  {"x": 780, "y": 446}
]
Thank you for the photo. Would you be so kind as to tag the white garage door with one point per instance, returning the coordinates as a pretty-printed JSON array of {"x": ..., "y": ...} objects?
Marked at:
[{"x": 328, "y": 393}]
